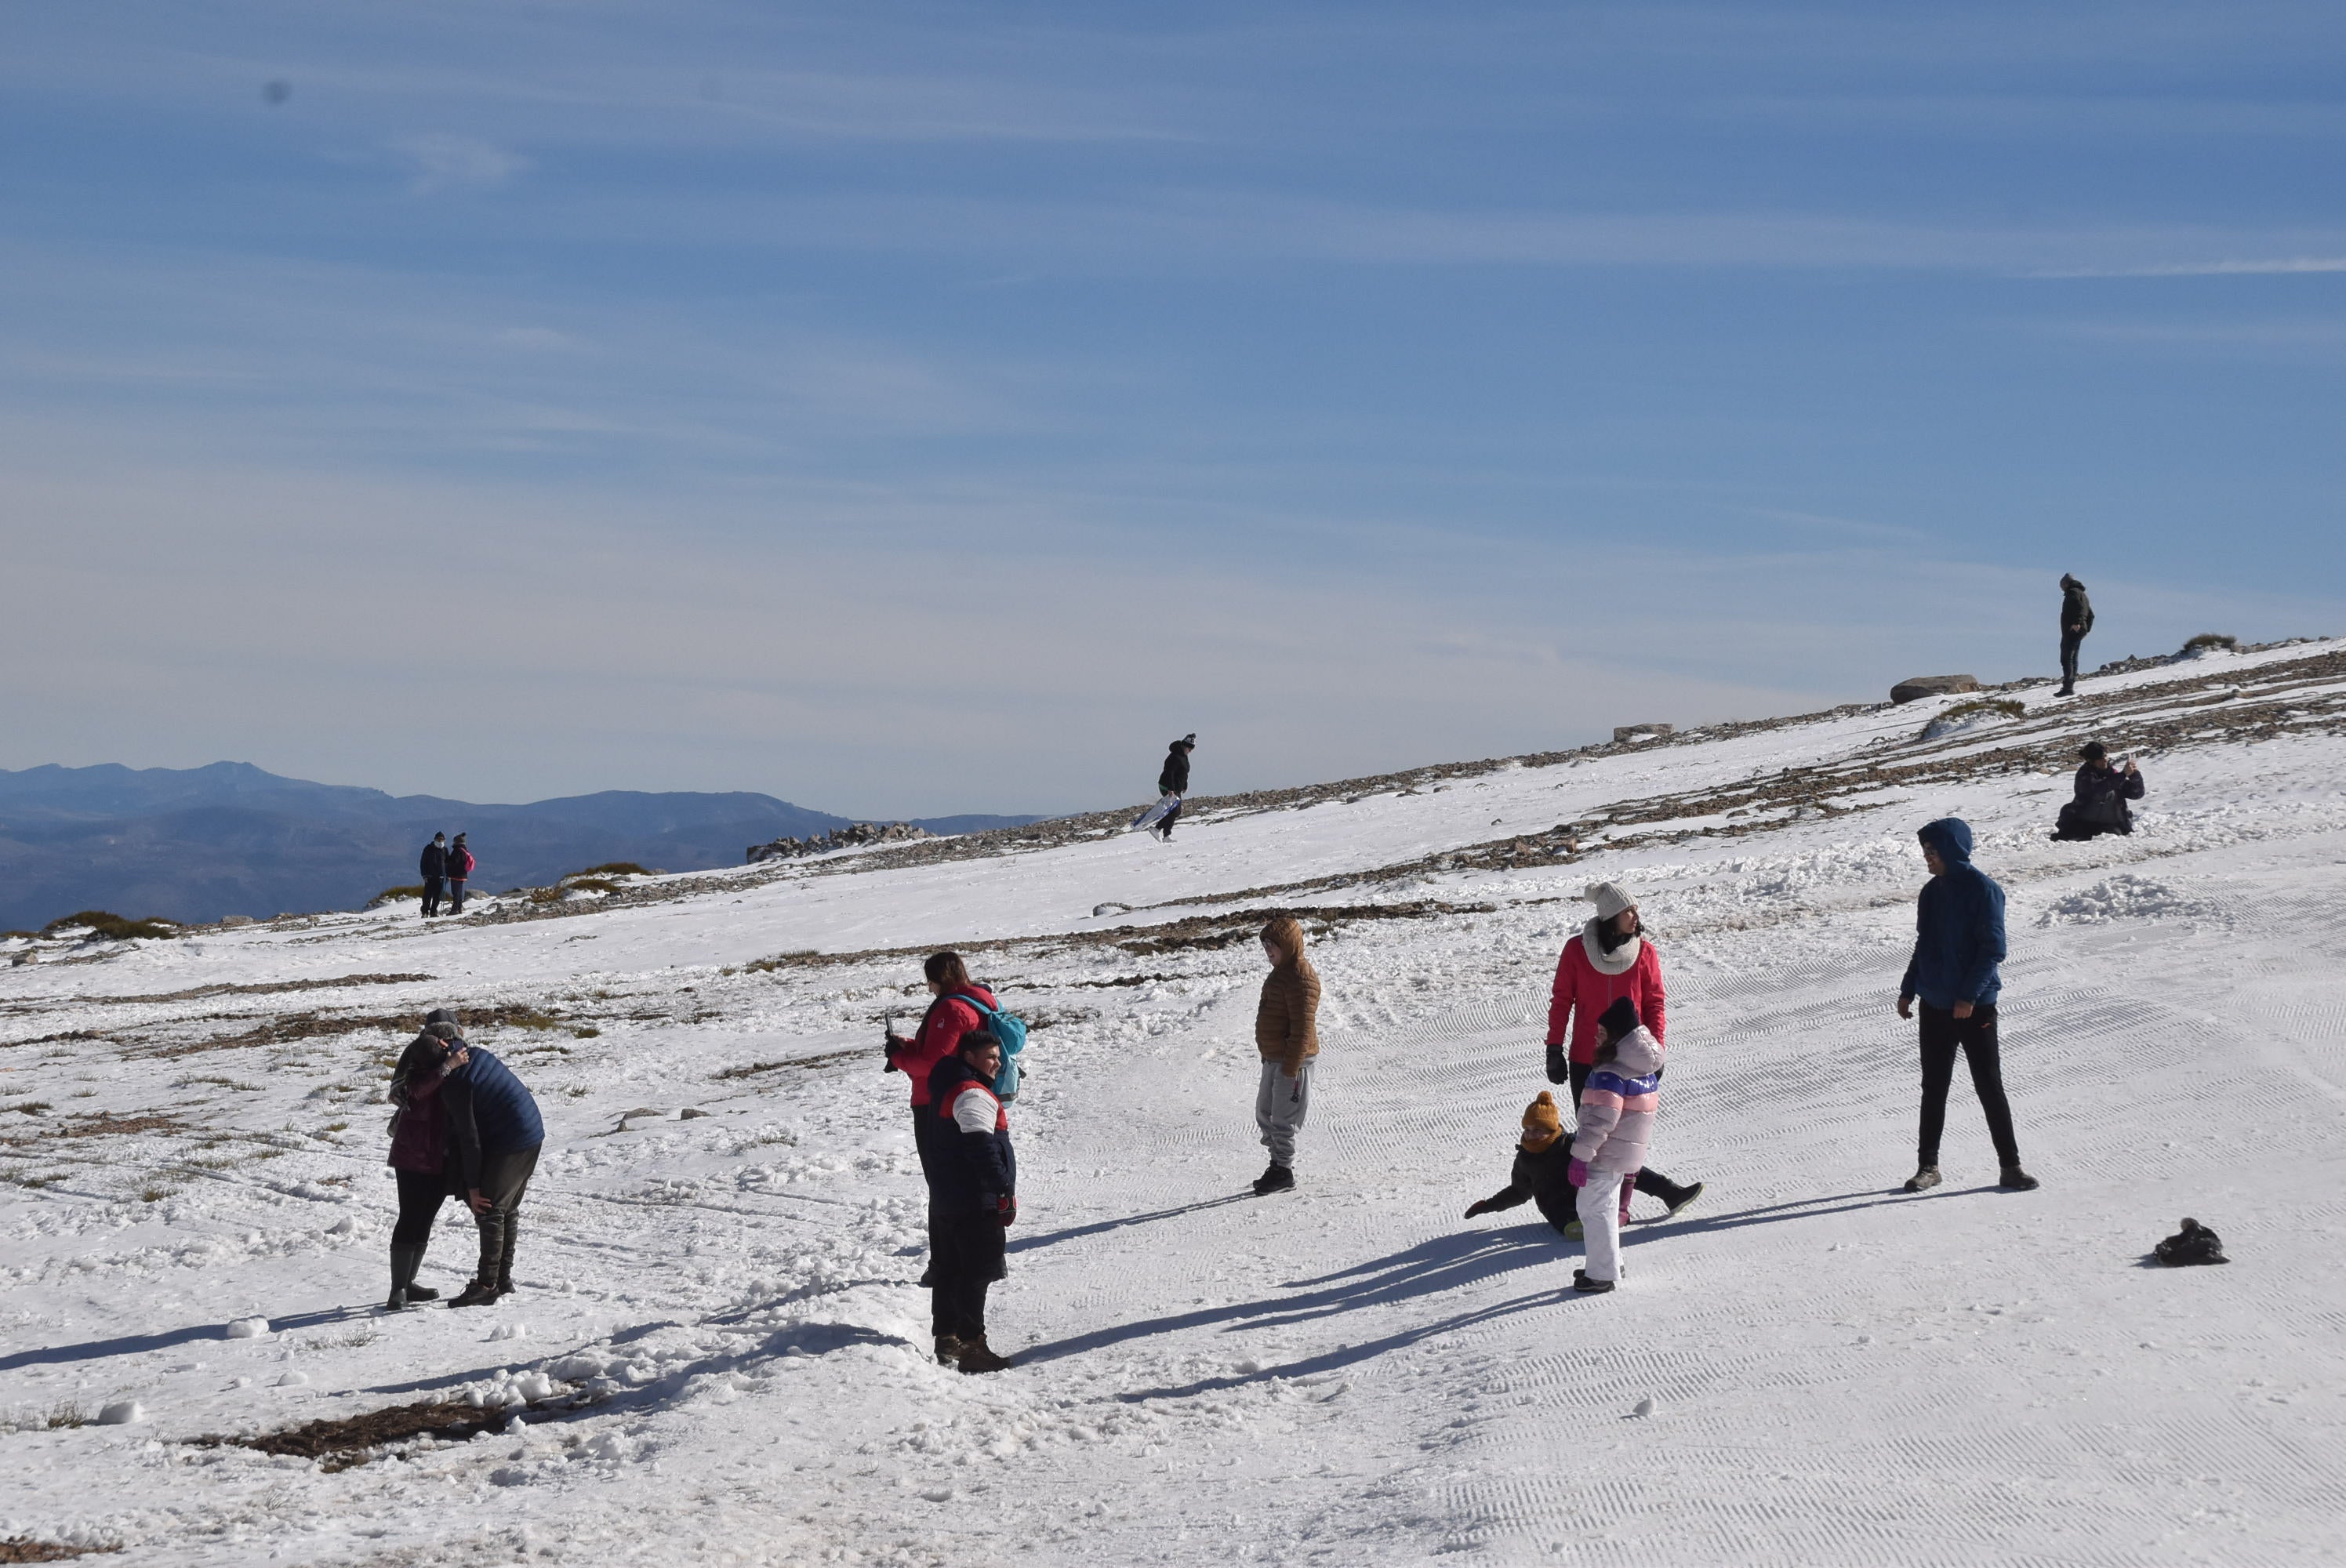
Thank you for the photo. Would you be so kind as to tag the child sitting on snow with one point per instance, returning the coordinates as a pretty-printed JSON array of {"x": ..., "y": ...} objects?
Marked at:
[
  {"x": 1540, "y": 1170},
  {"x": 1616, "y": 1121}
]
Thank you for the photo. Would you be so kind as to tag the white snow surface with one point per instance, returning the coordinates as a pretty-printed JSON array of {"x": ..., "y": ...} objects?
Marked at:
[{"x": 718, "y": 1352}]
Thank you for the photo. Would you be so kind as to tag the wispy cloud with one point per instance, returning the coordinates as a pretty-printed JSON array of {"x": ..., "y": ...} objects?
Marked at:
[
  {"x": 445, "y": 161},
  {"x": 2269, "y": 267}
]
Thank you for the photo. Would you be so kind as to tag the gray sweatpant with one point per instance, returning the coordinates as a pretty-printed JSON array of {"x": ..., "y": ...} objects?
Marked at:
[{"x": 1279, "y": 1105}]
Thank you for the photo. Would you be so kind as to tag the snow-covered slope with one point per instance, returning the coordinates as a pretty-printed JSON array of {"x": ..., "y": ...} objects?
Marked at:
[{"x": 721, "y": 1352}]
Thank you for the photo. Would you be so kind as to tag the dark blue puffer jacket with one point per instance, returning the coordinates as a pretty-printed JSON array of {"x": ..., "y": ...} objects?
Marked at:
[
  {"x": 976, "y": 1169},
  {"x": 489, "y": 1112},
  {"x": 1958, "y": 926}
]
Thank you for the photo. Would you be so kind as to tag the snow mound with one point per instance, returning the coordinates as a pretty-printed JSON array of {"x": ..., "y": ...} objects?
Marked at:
[{"x": 2124, "y": 897}]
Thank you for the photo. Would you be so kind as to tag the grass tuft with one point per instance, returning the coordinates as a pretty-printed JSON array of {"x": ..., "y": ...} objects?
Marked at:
[{"x": 113, "y": 927}]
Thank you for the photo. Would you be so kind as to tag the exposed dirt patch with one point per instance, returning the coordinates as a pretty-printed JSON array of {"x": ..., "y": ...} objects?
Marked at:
[
  {"x": 269, "y": 988},
  {"x": 295, "y": 1026},
  {"x": 24, "y": 1548},
  {"x": 827, "y": 1059},
  {"x": 355, "y": 1439}
]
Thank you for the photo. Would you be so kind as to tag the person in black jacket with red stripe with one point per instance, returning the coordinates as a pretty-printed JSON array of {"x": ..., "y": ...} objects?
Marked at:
[{"x": 976, "y": 1198}]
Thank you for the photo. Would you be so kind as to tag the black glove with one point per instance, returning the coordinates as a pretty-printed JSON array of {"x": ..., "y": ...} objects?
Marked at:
[
  {"x": 1559, "y": 1071},
  {"x": 1005, "y": 1209},
  {"x": 894, "y": 1044}
]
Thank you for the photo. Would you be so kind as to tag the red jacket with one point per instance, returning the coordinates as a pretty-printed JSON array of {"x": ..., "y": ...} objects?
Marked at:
[
  {"x": 1579, "y": 983},
  {"x": 941, "y": 1031}
]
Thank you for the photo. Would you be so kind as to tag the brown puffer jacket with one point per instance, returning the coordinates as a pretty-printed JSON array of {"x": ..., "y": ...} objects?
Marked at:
[{"x": 1286, "y": 1021}]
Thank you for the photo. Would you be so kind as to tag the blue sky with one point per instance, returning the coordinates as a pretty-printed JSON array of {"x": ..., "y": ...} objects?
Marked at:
[{"x": 905, "y": 410}]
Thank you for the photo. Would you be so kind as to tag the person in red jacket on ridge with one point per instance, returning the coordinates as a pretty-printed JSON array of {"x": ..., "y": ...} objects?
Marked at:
[
  {"x": 939, "y": 1036},
  {"x": 1610, "y": 959},
  {"x": 460, "y": 866}
]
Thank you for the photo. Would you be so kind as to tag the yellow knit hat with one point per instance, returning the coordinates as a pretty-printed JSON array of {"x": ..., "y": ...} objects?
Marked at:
[{"x": 1542, "y": 1123}]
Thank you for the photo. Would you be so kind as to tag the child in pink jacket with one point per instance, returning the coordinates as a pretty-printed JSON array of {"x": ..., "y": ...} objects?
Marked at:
[{"x": 1616, "y": 1123}]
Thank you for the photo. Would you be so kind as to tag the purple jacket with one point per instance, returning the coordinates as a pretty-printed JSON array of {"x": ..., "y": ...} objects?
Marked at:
[{"x": 1618, "y": 1106}]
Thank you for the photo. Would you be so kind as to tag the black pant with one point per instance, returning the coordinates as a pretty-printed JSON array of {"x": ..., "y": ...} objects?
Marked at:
[
  {"x": 1166, "y": 826},
  {"x": 969, "y": 1257},
  {"x": 456, "y": 895},
  {"x": 421, "y": 1194},
  {"x": 432, "y": 887},
  {"x": 1652, "y": 1183},
  {"x": 2072, "y": 824},
  {"x": 2069, "y": 647},
  {"x": 504, "y": 1178},
  {"x": 1944, "y": 1034},
  {"x": 929, "y": 1132}
]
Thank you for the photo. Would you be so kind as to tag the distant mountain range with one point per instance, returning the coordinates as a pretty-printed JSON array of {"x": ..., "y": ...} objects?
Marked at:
[{"x": 197, "y": 843}]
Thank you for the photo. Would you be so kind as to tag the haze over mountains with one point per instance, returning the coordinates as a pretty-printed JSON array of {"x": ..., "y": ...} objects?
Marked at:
[{"x": 197, "y": 843}]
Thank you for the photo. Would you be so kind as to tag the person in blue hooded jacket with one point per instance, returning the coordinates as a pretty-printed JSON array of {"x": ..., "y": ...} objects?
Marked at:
[
  {"x": 1958, "y": 946},
  {"x": 494, "y": 1136}
]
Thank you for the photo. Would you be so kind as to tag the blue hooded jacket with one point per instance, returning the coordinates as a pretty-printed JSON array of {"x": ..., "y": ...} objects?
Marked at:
[
  {"x": 489, "y": 1112},
  {"x": 1958, "y": 926}
]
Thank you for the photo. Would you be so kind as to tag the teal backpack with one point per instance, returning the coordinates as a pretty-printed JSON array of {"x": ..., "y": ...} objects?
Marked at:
[{"x": 1011, "y": 1029}]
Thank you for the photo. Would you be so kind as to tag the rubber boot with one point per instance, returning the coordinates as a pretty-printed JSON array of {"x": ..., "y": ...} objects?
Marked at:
[
  {"x": 1683, "y": 1198},
  {"x": 977, "y": 1356},
  {"x": 405, "y": 1291},
  {"x": 403, "y": 1260}
]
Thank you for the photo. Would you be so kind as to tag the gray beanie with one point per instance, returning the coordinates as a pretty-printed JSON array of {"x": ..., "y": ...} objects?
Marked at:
[{"x": 1609, "y": 900}]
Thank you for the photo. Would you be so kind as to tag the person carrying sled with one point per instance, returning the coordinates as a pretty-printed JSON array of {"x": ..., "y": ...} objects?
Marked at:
[
  {"x": 495, "y": 1134},
  {"x": 1617, "y": 1108},
  {"x": 419, "y": 1153},
  {"x": 976, "y": 1200},
  {"x": 460, "y": 866},
  {"x": 1611, "y": 959},
  {"x": 435, "y": 868},
  {"x": 1541, "y": 1173},
  {"x": 1173, "y": 780},
  {"x": 2102, "y": 791},
  {"x": 1287, "y": 1038},
  {"x": 949, "y": 1018},
  {"x": 1958, "y": 947},
  {"x": 2076, "y": 620}
]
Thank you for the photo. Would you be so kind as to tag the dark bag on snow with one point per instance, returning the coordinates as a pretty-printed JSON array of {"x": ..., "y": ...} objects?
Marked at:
[{"x": 2195, "y": 1242}]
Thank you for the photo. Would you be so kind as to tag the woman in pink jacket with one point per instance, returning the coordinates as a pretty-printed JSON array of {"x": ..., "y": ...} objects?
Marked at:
[{"x": 1608, "y": 962}]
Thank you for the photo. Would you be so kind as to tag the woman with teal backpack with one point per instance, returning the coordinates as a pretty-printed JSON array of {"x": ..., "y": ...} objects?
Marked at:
[{"x": 962, "y": 1007}]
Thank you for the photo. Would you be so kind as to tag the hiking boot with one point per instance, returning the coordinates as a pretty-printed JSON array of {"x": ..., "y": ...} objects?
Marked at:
[
  {"x": 977, "y": 1356},
  {"x": 1588, "y": 1286},
  {"x": 2015, "y": 1179},
  {"x": 479, "y": 1293},
  {"x": 1686, "y": 1196},
  {"x": 1277, "y": 1178},
  {"x": 1923, "y": 1179},
  {"x": 949, "y": 1349},
  {"x": 398, "y": 1301}
]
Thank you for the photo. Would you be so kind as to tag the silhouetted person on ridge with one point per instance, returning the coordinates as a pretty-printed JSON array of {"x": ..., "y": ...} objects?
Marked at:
[
  {"x": 1173, "y": 780},
  {"x": 460, "y": 866},
  {"x": 2076, "y": 620},
  {"x": 435, "y": 868}
]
